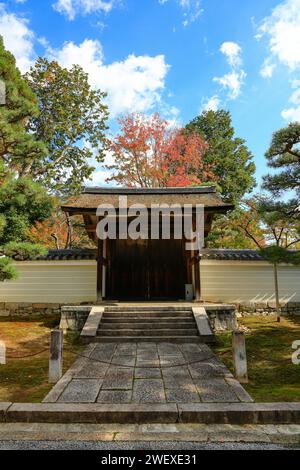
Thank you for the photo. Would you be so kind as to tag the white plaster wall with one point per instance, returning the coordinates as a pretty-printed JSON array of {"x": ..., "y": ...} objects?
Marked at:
[
  {"x": 52, "y": 282},
  {"x": 222, "y": 281},
  {"x": 241, "y": 281}
]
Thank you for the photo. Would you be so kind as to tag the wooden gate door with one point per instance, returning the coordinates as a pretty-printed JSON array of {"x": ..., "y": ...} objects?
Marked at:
[
  {"x": 146, "y": 270},
  {"x": 167, "y": 270},
  {"x": 127, "y": 276}
]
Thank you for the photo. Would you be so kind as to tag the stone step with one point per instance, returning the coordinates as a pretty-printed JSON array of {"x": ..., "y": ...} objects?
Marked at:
[
  {"x": 137, "y": 315},
  {"x": 148, "y": 332},
  {"x": 108, "y": 324},
  {"x": 149, "y": 339},
  {"x": 197, "y": 413},
  {"x": 147, "y": 309}
]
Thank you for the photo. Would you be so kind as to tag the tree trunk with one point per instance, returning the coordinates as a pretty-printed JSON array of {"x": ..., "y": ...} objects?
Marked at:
[
  {"x": 53, "y": 235},
  {"x": 278, "y": 310},
  {"x": 70, "y": 233}
]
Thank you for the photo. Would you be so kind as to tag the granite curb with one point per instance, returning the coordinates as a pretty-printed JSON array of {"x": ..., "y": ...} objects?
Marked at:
[{"x": 206, "y": 413}]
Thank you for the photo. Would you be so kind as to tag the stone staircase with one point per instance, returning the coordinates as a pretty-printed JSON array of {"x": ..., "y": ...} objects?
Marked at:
[{"x": 150, "y": 324}]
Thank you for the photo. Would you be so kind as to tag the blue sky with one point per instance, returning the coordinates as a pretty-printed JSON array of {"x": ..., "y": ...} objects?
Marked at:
[{"x": 175, "y": 56}]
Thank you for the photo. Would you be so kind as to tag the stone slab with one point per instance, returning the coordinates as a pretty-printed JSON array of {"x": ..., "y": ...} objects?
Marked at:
[
  {"x": 165, "y": 436},
  {"x": 81, "y": 391},
  {"x": 202, "y": 321},
  {"x": 91, "y": 370},
  {"x": 204, "y": 370},
  {"x": 182, "y": 395},
  {"x": 103, "y": 352},
  {"x": 114, "y": 396},
  {"x": 202, "y": 413},
  {"x": 91, "y": 413},
  {"x": 62, "y": 384},
  {"x": 174, "y": 376},
  {"x": 93, "y": 322},
  {"x": 147, "y": 373},
  {"x": 168, "y": 349},
  {"x": 166, "y": 361},
  {"x": 118, "y": 378},
  {"x": 216, "y": 391},
  {"x": 240, "y": 413},
  {"x": 57, "y": 436},
  {"x": 128, "y": 361},
  {"x": 148, "y": 391},
  {"x": 128, "y": 349},
  {"x": 240, "y": 392}
]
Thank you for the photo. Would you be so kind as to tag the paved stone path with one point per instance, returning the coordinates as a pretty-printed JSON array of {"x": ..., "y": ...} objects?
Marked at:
[{"x": 148, "y": 373}]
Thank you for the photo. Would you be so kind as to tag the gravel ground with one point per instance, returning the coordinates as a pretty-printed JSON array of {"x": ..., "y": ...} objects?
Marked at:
[{"x": 92, "y": 445}]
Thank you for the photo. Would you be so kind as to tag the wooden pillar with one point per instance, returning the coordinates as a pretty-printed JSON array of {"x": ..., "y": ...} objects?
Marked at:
[
  {"x": 196, "y": 264},
  {"x": 187, "y": 256},
  {"x": 100, "y": 271},
  {"x": 197, "y": 277}
]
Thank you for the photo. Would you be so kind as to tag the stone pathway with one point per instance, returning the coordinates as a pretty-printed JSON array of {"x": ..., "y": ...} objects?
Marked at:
[{"x": 148, "y": 373}]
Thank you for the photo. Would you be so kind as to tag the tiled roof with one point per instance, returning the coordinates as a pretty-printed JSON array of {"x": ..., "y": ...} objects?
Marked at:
[
  {"x": 65, "y": 255},
  {"x": 238, "y": 255},
  {"x": 90, "y": 254}
]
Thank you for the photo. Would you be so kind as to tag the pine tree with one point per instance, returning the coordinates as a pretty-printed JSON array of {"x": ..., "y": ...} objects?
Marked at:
[
  {"x": 284, "y": 154},
  {"x": 17, "y": 145}
]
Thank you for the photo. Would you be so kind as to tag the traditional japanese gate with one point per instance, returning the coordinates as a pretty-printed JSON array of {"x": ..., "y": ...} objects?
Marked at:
[{"x": 152, "y": 269}]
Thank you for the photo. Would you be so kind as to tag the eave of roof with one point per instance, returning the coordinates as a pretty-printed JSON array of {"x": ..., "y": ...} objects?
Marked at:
[
  {"x": 136, "y": 191},
  {"x": 91, "y": 254},
  {"x": 92, "y": 198}
]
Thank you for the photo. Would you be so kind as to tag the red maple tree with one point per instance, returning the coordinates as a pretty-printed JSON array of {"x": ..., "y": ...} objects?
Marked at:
[{"x": 148, "y": 152}]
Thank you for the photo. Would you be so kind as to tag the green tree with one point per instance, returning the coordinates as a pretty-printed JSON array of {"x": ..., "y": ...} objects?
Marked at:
[
  {"x": 7, "y": 269},
  {"x": 284, "y": 154},
  {"x": 227, "y": 234},
  {"x": 22, "y": 203},
  {"x": 19, "y": 252},
  {"x": 229, "y": 158},
  {"x": 18, "y": 147},
  {"x": 71, "y": 123},
  {"x": 280, "y": 232}
]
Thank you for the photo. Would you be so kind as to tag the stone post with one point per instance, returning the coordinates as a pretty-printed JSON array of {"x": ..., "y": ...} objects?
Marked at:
[
  {"x": 2, "y": 353},
  {"x": 56, "y": 354},
  {"x": 240, "y": 356},
  {"x": 2, "y": 92}
]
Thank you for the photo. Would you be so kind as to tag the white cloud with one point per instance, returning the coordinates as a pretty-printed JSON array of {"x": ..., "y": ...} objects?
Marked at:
[
  {"x": 267, "y": 69},
  {"x": 293, "y": 113},
  {"x": 282, "y": 28},
  {"x": 233, "y": 53},
  {"x": 212, "y": 104},
  {"x": 18, "y": 38},
  {"x": 134, "y": 84},
  {"x": 235, "y": 79},
  {"x": 72, "y": 8},
  {"x": 233, "y": 82},
  {"x": 191, "y": 10},
  {"x": 99, "y": 178}
]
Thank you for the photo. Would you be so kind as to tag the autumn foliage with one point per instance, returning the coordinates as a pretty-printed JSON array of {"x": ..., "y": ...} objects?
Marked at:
[
  {"x": 59, "y": 232},
  {"x": 148, "y": 152}
]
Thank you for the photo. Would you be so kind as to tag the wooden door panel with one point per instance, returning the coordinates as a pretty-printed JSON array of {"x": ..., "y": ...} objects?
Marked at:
[{"x": 146, "y": 269}]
